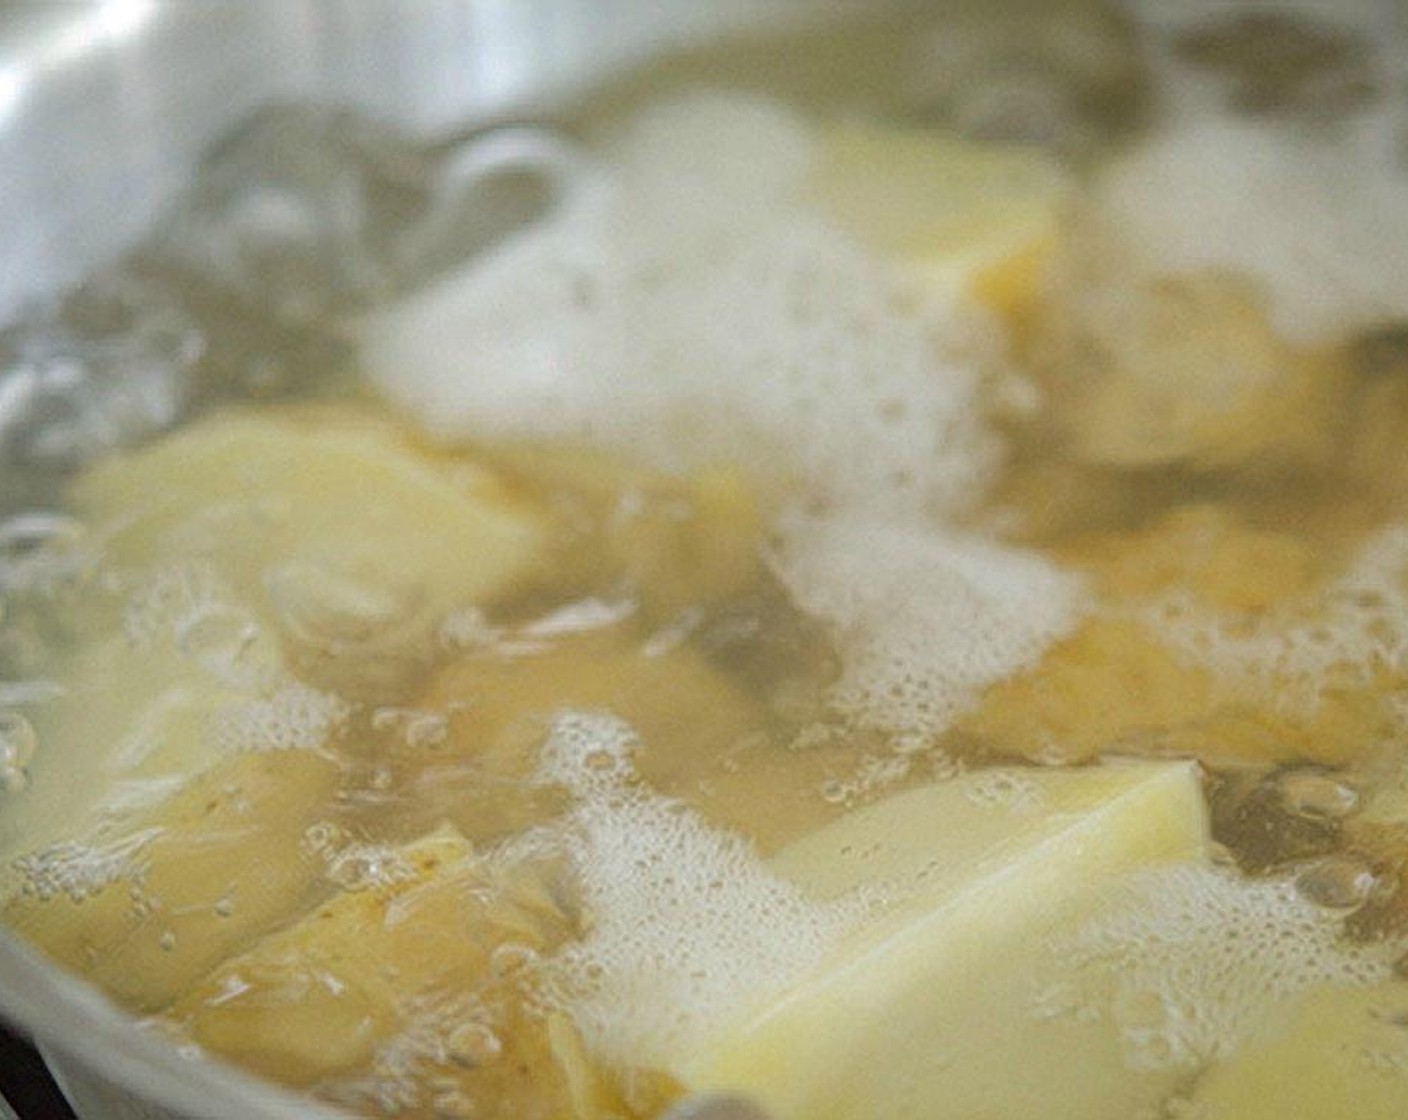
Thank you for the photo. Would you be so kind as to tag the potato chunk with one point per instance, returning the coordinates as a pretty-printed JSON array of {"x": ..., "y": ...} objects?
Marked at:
[
  {"x": 675, "y": 542},
  {"x": 961, "y": 215},
  {"x": 144, "y": 909},
  {"x": 929, "y": 1010},
  {"x": 1188, "y": 370},
  {"x": 1121, "y": 683},
  {"x": 287, "y": 507},
  {"x": 406, "y": 982},
  {"x": 1343, "y": 1052},
  {"x": 703, "y": 739}
]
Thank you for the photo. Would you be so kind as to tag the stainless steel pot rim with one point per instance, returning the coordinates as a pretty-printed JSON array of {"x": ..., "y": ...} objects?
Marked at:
[{"x": 108, "y": 1042}]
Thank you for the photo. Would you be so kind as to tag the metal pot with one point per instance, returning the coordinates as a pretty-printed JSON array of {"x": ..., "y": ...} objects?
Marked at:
[{"x": 105, "y": 107}]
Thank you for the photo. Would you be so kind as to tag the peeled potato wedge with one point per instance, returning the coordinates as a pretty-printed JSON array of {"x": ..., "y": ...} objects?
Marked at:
[
  {"x": 316, "y": 997},
  {"x": 703, "y": 739},
  {"x": 1343, "y": 1052},
  {"x": 930, "y": 1009},
  {"x": 1119, "y": 683},
  {"x": 326, "y": 1000},
  {"x": 161, "y": 900},
  {"x": 299, "y": 503},
  {"x": 958, "y": 214},
  {"x": 676, "y": 542}
]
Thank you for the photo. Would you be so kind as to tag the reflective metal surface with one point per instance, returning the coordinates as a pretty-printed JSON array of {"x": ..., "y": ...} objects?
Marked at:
[{"x": 105, "y": 104}]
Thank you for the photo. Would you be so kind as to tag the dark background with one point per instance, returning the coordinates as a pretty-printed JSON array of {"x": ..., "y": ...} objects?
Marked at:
[{"x": 26, "y": 1084}]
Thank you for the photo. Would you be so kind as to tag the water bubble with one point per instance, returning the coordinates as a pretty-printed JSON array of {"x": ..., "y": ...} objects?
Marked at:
[
  {"x": 112, "y": 365},
  {"x": 38, "y": 550},
  {"x": 167, "y": 942},
  {"x": 359, "y": 867},
  {"x": 324, "y": 838},
  {"x": 512, "y": 959},
  {"x": 224, "y": 907},
  {"x": 17, "y": 746},
  {"x": 224, "y": 640},
  {"x": 454, "y": 1104},
  {"x": 332, "y": 610},
  {"x": 354, "y": 871},
  {"x": 417, "y": 729},
  {"x": 834, "y": 792},
  {"x": 1318, "y": 796},
  {"x": 1341, "y": 882},
  {"x": 474, "y": 1044}
]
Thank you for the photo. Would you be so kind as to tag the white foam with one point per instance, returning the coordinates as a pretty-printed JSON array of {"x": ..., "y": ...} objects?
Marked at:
[
  {"x": 688, "y": 309},
  {"x": 925, "y": 618},
  {"x": 1318, "y": 219},
  {"x": 1345, "y": 634},
  {"x": 1193, "y": 961},
  {"x": 189, "y": 608},
  {"x": 169, "y": 601},
  {"x": 295, "y": 717},
  {"x": 81, "y": 869},
  {"x": 689, "y": 930}
]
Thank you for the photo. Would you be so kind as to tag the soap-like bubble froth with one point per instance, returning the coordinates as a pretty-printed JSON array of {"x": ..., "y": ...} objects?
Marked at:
[
  {"x": 1354, "y": 629},
  {"x": 1316, "y": 220},
  {"x": 687, "y": 314},
  {"x": 1193, "y": 961},
  {"x": 689, "y": 931},
  {"x": 925, "y": 618},
  {"x": 294, "y": 717}
]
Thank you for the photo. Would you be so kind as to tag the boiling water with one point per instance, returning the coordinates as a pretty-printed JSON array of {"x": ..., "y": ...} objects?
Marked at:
[{"x": 811, "y": 516}]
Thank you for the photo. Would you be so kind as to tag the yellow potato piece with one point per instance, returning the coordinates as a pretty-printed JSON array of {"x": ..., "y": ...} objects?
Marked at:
[
  {"x": 961, "y": 215},
  {"x": 144, "y": 910},
  {"x": 323, "y": 1001},
  {"x": 1117, "y": 685},
  {"x": 676, "y": 542},
  {"x": 1208, "y": 552},
  {"x": 1184, "y": 369},
  {"x": 329, "y": 514},
  {"x": 130, "y": 725},
  {"x": 702, "y": 738},
  {"x": 931, "y": 1010},
  {"x": 1342, "y": 1054},
  {"x": 1114, "y": 686},
  {"x": 1375, "y": 450}
]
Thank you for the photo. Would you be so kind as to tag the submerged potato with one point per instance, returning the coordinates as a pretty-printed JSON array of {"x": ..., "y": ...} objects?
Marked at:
[
  {"x": 463, "y": 904},
  {"x": 140, "y": 718},
  {"x": 1120, "y": 683},
  {"x": 703, "y": 738},
  {"x": 678, "y": 543},
  {"x": 1341, "y": 1052},
  {"x": 961, "y": 216},
  {"x": 402, "y": 981},
  {"x": 1185, "y": 370},
  {"x": 336, "y": 504},
  {"x": 145, "y": 908}
]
